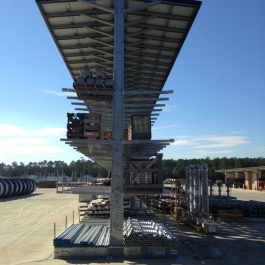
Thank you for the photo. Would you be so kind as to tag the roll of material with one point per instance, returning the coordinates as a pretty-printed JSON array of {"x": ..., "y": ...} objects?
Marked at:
[{"x": 16, "y": 187}]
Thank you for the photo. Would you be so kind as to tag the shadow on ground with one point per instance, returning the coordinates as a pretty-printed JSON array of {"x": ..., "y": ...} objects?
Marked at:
[{"x": 19, "y": 197}]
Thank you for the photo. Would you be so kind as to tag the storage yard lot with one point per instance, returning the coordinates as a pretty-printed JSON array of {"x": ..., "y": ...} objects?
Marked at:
[{"x": 27, "y": 233}]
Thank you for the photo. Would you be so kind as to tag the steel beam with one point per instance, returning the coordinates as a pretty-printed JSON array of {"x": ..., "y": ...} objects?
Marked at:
[{"x": 116, "y": 196}]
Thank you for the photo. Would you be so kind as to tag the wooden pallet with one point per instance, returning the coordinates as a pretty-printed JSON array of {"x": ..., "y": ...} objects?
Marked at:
[
  {"x": 92, "y": 126},
  {"x": 75, "y": 125},
  {"x": 195, "y": 227},
  {"x": 232, "y": 220}
]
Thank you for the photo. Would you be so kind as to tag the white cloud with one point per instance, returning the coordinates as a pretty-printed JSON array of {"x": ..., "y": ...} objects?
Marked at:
[
  {"x": 224, "y": 141},
  {"x": 11, "y": 130},
  {"x": 170, "y": 107},
  {"x": 60, "y": 94},
  {"x": 163, "y": 127},
  {"x": 27, "y": 146},
  {"x": 183, "y": 142},
  {"x": 212, "y": 141},
  {"x": 202, "y": 152},
  {"x": 260, "y": 149}
]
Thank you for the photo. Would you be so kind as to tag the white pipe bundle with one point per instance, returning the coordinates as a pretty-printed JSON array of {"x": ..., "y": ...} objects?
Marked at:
[{"x": 147, "y": 234}]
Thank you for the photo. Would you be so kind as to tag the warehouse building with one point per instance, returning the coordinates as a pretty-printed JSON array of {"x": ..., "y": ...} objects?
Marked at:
[{"x": 251, "y": 177}]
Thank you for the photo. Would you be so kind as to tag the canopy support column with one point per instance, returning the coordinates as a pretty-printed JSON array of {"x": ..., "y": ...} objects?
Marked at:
[{"x": 117, "y": 169}]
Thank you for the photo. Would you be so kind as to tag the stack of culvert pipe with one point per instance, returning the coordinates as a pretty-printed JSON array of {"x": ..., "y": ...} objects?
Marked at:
[{"x": 16, "y": 187}]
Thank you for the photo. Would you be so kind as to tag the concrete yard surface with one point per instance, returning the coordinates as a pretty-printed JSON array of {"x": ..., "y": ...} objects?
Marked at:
[{"x": 27, "y": 232}]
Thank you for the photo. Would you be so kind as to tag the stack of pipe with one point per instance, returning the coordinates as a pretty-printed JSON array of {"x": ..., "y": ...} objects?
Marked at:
[
  {"x": 138, "y": 233},
  {"x": 205, "y": 195},
  {"x": 192, "y": 189},
  {"x": 193, "y": 213},
  {"x": 188, "y": 189},
  {"x": 99, "y": 208},
  {"x": 81, "y": 236},
  {"x": 196, "y": 181},
  {"x": 16, "y": 187}
]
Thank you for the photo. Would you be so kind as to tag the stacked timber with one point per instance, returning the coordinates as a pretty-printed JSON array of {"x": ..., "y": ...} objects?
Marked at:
[
  {"x": 126, "y": 134},
  {"x": 47, "y": 184},
  {"x": 92, "y": 126},
  {"x": 107, "y": 135},
  {"x": 230, "y": 215}
]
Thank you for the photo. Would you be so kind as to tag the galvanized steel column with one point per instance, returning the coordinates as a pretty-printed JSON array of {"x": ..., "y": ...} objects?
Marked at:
[
  {"x": 116, "y": 197},
  {"x": 205, "y": 195},
  {"x": 188, "y": 186},
  {"x": 197, "y": 190},
  {"x": 191, "y": 174}
]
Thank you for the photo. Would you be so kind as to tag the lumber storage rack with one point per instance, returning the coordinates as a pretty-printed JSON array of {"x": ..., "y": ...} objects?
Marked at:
[{"x": 119, "y": 54}]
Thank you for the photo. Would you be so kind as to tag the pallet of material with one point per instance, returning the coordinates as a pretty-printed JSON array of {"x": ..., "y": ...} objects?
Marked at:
[
  {"x": 230, "y": 215},
  {"x": 143, "y": 187},
  {"x": 92, "y": 126},
  {"x": 75, "y": 125},
  {"x": 47, "y": 184},
  {"x": 195, "y": 227},
  {"x": 210, "y": 228}
]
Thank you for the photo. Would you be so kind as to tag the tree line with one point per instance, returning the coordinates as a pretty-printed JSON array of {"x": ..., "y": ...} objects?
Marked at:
[
  {"x": 46, "y": 168},
  {"x": 177, "y": 168},
  {"x": 172, "y": 168}
]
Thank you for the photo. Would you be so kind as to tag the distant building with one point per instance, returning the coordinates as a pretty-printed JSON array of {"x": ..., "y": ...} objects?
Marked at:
[{"x": 249, "y": 176}]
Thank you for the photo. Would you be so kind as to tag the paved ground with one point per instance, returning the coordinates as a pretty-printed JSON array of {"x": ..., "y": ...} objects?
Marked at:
[{"x": 27, "y": 233}]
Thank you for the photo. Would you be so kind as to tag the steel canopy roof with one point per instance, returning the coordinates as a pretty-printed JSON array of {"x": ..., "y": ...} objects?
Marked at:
[{"x": 83, "y": 32}]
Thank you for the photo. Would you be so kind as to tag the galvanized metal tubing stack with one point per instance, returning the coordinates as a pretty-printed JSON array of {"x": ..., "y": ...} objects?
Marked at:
[
  {"x": 16, "y": 187},
  {"x": 138, "y": 233},
  {"x": 83, "y": 236},
  {"x": 193, "y": 189}
]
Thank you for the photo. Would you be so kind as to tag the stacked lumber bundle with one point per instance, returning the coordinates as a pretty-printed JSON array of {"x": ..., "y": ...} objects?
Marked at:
[
  {"x": 107, "y": 135},
  {"x": 163, "y": 203},
  {"x": 99, "y": 208},
  {"x": 101, "y": 182},
  {"x": 84, "y": 126},
  {"x": 47, "y": 184},
  {"x": 75, "y": 125},
  {"x": 126, "y": 135},
  {"x": 230, "y": 215},
  {"x": 92, "y": 126},
  {"x": 138, "y": 233}
]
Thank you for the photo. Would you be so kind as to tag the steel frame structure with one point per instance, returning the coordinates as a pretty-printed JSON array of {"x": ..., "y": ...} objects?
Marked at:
[{"x": 136, "y": 44}]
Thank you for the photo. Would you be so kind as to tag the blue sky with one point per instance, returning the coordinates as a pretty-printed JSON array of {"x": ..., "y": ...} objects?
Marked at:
[{"x": 217, "y": 108}]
